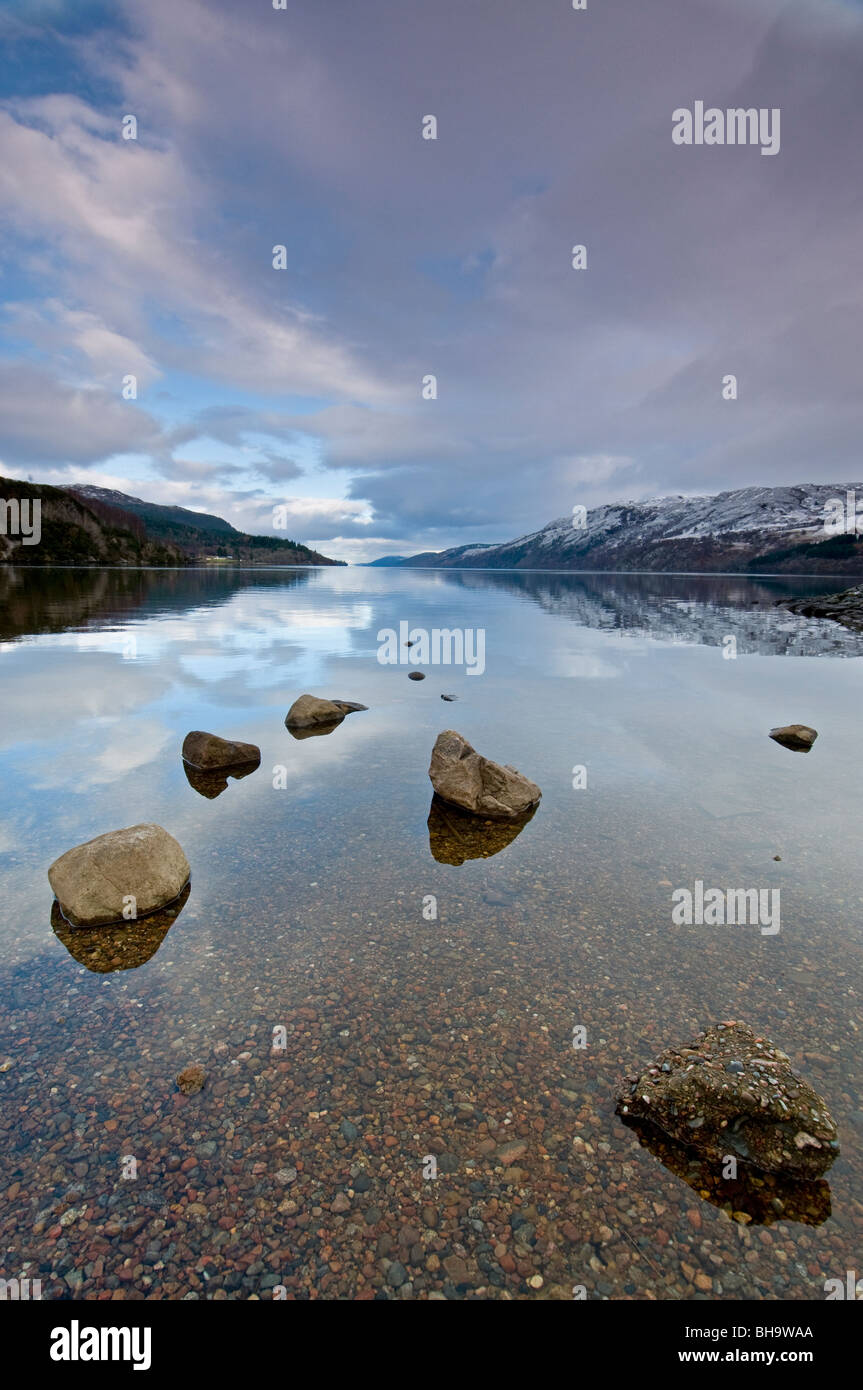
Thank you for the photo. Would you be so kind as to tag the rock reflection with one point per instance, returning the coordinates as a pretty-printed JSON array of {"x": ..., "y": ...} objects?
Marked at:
[
  {"x": 212, "y": 783},
  {"x": 762, "y": 1197},
  {"x": 456, "y": 836},
  {"x": 106, "y": 949},
  {"x": 316, "y": 730}
]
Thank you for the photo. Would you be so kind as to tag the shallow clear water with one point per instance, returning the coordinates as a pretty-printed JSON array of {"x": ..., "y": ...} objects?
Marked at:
[{"x": 409, "y": 1037}]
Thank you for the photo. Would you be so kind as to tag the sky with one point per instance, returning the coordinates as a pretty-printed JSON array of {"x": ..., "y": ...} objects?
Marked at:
[{"x": 306, "y": 387}]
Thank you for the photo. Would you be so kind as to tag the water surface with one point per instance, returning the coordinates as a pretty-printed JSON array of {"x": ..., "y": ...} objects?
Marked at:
[{"x": 409, "y": 1036}]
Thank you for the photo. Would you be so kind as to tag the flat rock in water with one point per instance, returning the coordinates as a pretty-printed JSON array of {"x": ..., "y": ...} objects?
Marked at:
[
  {"x": 208, "y": 751},
  {"x": 731, "y": 1092},
  {"x": 309, "y": 711},
  {"x": 464, "y": 778},
  {"x": 119, "y": 877},
  {"x": 797, "y": 736}
]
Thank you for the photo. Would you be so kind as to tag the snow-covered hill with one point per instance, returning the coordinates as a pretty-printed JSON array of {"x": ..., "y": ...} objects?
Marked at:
[{"x": 788, "y": 529}]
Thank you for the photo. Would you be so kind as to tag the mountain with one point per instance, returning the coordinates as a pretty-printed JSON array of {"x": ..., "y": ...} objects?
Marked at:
[
  {"x": 749, "y": 530},
  {"x": 197, "y": 536},
  {"x": 427, "y": 558},
  {"x": 73, "y": 530},
  {"x": 89, "y": 525},
  {"x": 153, "y": 514}
]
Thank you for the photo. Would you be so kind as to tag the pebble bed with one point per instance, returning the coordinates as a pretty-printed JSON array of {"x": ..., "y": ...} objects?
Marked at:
[{"x": 305, "y": 1166}]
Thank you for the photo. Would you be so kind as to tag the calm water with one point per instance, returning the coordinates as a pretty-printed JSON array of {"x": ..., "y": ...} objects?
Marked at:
[{"x": 407, "y": 1036}]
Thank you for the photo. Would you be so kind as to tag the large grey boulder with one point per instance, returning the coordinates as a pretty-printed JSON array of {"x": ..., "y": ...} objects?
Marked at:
[
  {"x": 731, "y": 1092},
  {"x": 209, "y": 752},
  {"x": 465, "y": 778},
  {"x": 120, "y": 876},
  {"x": 309, "y": 711}
]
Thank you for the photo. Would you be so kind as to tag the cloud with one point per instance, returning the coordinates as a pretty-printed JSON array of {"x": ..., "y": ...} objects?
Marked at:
[
  {"x": 45, "y": 420},
  {"x": 450, "y": 257}
]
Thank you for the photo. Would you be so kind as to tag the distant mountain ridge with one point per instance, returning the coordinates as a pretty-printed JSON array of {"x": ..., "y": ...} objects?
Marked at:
[
  {"x": 755, "y": 529},
  {"x": 426, "y": 557}
]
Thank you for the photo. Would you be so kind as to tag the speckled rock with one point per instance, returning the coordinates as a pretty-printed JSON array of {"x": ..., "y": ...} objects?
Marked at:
[
  {"x": 465, "y": 778},
  {"x": 731, "y": 1092}
]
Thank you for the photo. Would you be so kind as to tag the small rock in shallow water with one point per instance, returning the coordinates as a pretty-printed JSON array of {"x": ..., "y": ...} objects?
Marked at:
[
  {"x": 396, "y": 1275},
  {"x": 191, "y": 1079},
  {"x": 798, "y": 737},
  {"x": 208, "y": 751},
  {"x": 508, "y": 1153},
  {"x": 416, "y": 676},
  {"x": 308, "y": 712}
]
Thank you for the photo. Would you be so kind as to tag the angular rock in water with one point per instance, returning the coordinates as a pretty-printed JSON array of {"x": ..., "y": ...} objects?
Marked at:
[
  {"x": 456, "y": 836},
  {"x": 212, "y": 784},
  {"x": 309, "y": 712},
  {"x": 107, "y": 949},
  {"x": 208, "y": 752},
  {"x": 466, "y": 779},
  {"x": 797, "y": 736},
  {"x": 119, "y": 877},
  {"x": 732, "y": 1093}
]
